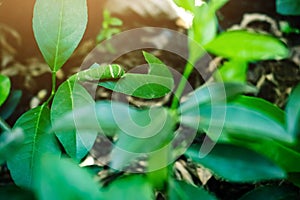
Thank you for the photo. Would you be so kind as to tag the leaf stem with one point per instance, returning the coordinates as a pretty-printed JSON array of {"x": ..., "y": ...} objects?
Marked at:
[
  {"x": 186, "y": 74},
  {"x": 4, "y": 126},
  {"x": 53, "y": 90}
]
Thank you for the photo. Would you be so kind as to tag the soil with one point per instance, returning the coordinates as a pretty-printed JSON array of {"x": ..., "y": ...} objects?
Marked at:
[{"x": 29, "y": 73}]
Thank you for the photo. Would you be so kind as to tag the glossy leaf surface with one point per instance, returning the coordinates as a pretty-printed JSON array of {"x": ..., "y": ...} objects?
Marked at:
[
  {"x": 4, "y": 88},
  {"x": 247, "y": 46},
  {"x": 237, "y": 164},
  {"x": 58, "y": 27},
  {"x": 293, "y": 113},
  {"x": 147, "y": 131},
  {"x": 233, "y": 71},
  {"x": 64, "y": 179},
  {"x": 9, "y": 106},
  {"x": 69, "y": 96},
  {"x": 10, "y": 142},
  {"x": 180, "y": 190},
  {"x": 237, "y": 118},
  {"x": 134, "y": 187},
  {"x": 214, "y": 92},
  {"x": 288, "y": 7},
  {"x": 100, "y": 117},
  {"x": 37, "y": 143}
]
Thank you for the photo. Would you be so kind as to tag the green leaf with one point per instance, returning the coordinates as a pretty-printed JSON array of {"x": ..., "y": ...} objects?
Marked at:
[
  {"x": 58, "y": 27},
  {"x": 9, "y": 106},
  {"x": 142, "y": 86},
  {"x": 36, "y": 144},
  {"x": 288, "y": 7},
  {"x": 244, "y": 117},
  {"x": 64, "y": 179},
  {"x": 204, "y": 23},
  {"x": 100, "y": 117},
  {"x": 271, "y": 193},
  {"x": 15, "y": 193},
  {"x": 115, "y": 21},
  {"x": 248, "y": 46},
  {"x": 157, "y": 83},
  {"x": 262, "y": 106},
  {"x": 217, "y": 4},
  {"x": 284, "y": 156},
  {"x": 237, "y": 164},
  {"x": 4, "y": 88},
  {"x": 69, "y": 96},
  {"x": 293, "y": 113},
  {"x": 142, "y": 129},
  {"x": 203, "y": 30},
  {"x": 134, "y": 187},
  {"x": 180, "y": 190},
  {"x": 146, "y": 133},
  {"x": 157, "y": 67},
  {"x": 10, "y": 142},
  {"x": 232, "y": 71},
  {"x": 186, "y": 4},
  {"x": 214, "y": 92}
]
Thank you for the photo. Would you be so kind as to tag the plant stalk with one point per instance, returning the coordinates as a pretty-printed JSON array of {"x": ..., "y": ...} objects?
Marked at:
[
  {"x": 4, "y": 126},
  {"x": 53, "y": 90},
  {"x": 186, "y": 74}
]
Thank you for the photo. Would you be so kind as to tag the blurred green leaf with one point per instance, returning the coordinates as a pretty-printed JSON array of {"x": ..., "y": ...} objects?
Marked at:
[
  {"x": 243, "y": 117},
  {"x": 156, "y": 66},
  {"x": 15, "y": 193},
  {"x": 147, "y": 131},
  {"x": 10, "y": 142},
  {"x": 284, "y": 156},
  {"x": 115, "y": 22},
  {"x": 64, "y": 179},
  {"x": 69, "y": 96},
  {"x": 262, "y": 106},
  {"x": 203, "y": 30},
  {"x": 157, "y": 83},
  {"x": 100, "y": 117},
  {"x": 9, "y": 106},
  {"x": 180, "y": 190},
  {"x": 237, "y": 164},
  {"x": 142, "y": 86},
  {"x": 36, "y": 144},
  {"x": 248, "y": 46},
  {"x": 186, "y": 4},
  {"x": 134, "y": 187},
  {"x": 232, "y": 71},
  {"x": 288, "y": 7},
  {"x": 271, "y": 193},
  {"x": 4, "y": 88},
  {"x": 293, "y": 113},
  {"x": 204, "y": 27},
  {"x": 142, "y": 129},
  {"x": 214, "y": 92},
  {"x": 110, "y": 26},
  {"x": 58, "y": 27}
]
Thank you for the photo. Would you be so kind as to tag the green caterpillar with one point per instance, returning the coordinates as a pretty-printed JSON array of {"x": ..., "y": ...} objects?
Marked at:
[{"x": 101, "y": 72}]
